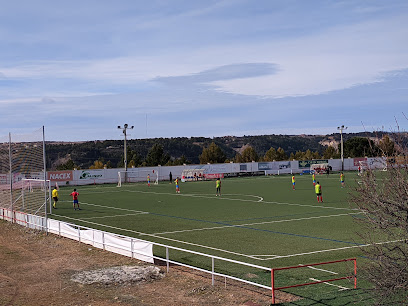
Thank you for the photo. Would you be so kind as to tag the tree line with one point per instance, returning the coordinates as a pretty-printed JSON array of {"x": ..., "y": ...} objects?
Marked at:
[{"x": 110, "y": 155}]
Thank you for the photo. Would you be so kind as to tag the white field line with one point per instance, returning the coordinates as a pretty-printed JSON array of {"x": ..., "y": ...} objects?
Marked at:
[
  {"x": 249, "y": 224},
  {"x": 328, "y": 250},
  {"x": 114, "y": 208},
  {"x": 114, "y": 216},
  {"x": 156, "y": 236},
  {"x": 231, "y": 199},
  {"x": 314, "y": 268},
  {"x": 341, "y": 287}
]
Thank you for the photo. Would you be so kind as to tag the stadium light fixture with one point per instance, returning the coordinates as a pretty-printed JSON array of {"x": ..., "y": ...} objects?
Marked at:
[
  {"x": 341, "y": 128},
  {"x": 124, "y": 130}
]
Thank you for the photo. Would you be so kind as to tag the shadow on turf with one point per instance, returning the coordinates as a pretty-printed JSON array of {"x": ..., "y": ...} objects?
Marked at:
[{"x": 349, "y": 297}]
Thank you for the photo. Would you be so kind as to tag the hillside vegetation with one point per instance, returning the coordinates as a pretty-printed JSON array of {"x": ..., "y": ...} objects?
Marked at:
[{"x": 173, "y": 151}]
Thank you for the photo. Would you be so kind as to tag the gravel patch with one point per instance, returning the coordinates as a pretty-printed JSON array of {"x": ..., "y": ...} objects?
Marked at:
[{"x": 118, "y": 275}]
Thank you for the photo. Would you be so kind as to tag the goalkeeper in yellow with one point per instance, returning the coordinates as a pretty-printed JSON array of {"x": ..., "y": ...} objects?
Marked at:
[
  {"x": 218, "y": 187},
  {"x": 55, "y": 197},
  {"x": 318, "y": 190}
]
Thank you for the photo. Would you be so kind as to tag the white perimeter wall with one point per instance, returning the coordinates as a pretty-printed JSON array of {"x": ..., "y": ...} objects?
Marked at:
[{"x": 102, "y": 176}]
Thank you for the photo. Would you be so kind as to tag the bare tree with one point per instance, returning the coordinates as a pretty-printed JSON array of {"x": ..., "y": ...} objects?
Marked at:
[{"x": 382, "y": 198}]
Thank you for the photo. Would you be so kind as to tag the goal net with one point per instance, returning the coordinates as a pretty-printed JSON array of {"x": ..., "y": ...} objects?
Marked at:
[
  {"x": 189, "y": 175},
  {"x": 138, "y": 175},
  {"x": 22, "y": 158},
  {"x": 35, "y": 195},
  {"x": 319, "y": 168}
]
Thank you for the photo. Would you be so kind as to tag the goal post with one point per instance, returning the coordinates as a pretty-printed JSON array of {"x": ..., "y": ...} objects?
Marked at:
[
  {"x": 35, "y": 195},
  {"x": 138, "y": 175}
]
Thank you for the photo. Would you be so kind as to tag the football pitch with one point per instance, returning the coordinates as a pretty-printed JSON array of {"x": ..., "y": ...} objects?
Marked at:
[{"x": 258, "y": 220}]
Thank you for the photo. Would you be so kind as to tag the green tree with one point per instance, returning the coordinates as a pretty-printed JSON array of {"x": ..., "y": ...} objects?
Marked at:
[
  {"x": 156, "y": 156},
  {"x": 360, "y": 147},
  {"x": 213, "y": 155},
  {"x": 132, "y": 164},
  {"x": 330, "y": 152},
  {"x": 98, "y": 164},
  {"x": 178, "y": 161},
  {"x": 308, "y": 155},
  {"x": 386, "y": 146},
  {"x": 316, "y": 155},
  {"x": 108, "y": 165},
  {"x": 69, "y": 165},
  {"x": 299, "y": 155},
  {"x": 134, "y": 158},
  {"x": 270, "y": 155},
  {"x": 281, "y": 155},
  {"x": 248, "y": 155}
]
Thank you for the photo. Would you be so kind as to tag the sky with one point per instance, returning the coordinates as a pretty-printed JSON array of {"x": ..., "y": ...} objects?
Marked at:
[{"x": 185, "y": 68}]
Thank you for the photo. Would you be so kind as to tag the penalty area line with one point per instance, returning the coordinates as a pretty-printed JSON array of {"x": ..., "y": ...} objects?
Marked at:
[
  {"x": 328, "y": 250},
  {"x": 250, "y": 224},
  {"x": 114, "y": 216}
]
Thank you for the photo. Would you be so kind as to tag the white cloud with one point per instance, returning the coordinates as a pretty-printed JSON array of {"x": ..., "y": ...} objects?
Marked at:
[{"x": 336, "y": 59}]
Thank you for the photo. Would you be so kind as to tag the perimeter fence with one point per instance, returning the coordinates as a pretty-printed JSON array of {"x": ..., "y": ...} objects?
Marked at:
[
  {"x": 216, "y": 266},
  {"x": 140, "y": 249}
]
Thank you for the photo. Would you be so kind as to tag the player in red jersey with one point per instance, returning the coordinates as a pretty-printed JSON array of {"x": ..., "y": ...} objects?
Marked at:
[{"x": 75, "y": 195}]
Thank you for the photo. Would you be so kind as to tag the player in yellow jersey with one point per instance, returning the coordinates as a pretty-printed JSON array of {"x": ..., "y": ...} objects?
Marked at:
[
  {"x": 218, "y": 187},
  {"x": 177, "y": 185},
  {"x": 318, "y": 190},
  {"x": 55, "y": 197},
  {"x": 148, "y": 180},
  {"x": 342, "y": 179},
  {"x": 314, "y": 179},
  {"x": 293, "y": 181}
]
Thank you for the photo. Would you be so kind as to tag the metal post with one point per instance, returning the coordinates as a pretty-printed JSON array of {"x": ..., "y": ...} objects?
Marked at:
[
  {"x": 124, "y": 129},
  {"x": 341, "y": 128},
  {"x": 131, "y": 247},
  {"x": 167, "y": 259},
  {"x": 273, "y": 285},
  {"x": 125, "y": 152},
  {"x": 45, "y": 183},
  {"x": 11, "y": 175},
  {"x": 103, "y": 241},
  {"x": 212, "y": 270},
  {"x": 355, "y": 273}
]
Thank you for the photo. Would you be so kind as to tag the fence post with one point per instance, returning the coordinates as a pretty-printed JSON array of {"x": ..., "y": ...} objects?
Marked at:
[
  {"x": 355, "y": 273},
  {"x": 79, "y": 234},
  {"x": 59, "y": 228},
  {"x": 131, "y": 246},
  {"x": 273, "y": 285},
  {"x": 167, "y": 259},
  {"x": 212, "y": 271},
  {"x": 103, "y": 241}
]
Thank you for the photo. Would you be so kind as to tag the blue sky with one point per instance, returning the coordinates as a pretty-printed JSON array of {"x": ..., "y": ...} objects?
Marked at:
[{"x": 202, "y": 68}]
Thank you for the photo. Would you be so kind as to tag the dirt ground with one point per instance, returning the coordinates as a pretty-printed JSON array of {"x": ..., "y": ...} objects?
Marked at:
[{"x": 36, "y": 269}]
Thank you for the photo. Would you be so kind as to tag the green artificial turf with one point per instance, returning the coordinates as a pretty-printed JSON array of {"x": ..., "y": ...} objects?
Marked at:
[{"x": 258, "y": 220}]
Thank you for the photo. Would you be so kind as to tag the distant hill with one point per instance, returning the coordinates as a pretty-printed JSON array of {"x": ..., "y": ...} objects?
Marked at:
[{"x": 85, "y": 153}]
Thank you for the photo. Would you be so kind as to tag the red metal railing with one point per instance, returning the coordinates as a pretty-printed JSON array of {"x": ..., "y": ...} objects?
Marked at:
[{"x": 316, "y": 282}]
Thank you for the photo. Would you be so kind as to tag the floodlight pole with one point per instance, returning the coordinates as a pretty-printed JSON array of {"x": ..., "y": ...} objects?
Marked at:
[
  {"x": 124, "y": 129},
  {"x": 341, "y": 128}
]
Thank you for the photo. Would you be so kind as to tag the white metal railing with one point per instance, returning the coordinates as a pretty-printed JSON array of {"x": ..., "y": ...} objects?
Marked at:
[{"x": 123, "y": 245}]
